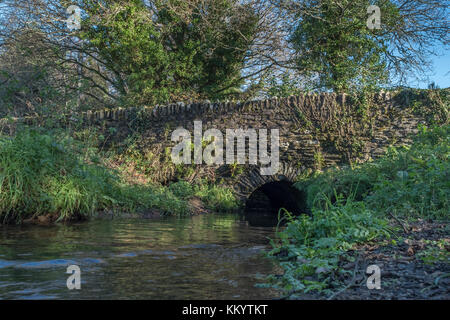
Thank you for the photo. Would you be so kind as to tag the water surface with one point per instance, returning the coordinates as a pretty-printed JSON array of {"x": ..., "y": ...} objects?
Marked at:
[{"x": 203, "y": 257}]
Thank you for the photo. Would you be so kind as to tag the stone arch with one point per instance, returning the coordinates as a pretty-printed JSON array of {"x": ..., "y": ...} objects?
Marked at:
[{"x": 271, "y": 192}]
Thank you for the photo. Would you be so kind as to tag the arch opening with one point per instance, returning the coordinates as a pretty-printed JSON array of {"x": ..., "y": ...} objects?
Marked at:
[{"x": 266, "y": 200}]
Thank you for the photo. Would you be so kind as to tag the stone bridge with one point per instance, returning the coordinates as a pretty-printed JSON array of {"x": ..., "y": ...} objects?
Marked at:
[{"x": 315, "y": 131}]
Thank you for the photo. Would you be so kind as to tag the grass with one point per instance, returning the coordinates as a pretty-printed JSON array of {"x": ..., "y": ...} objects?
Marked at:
[
  {"x": 352, "y": 206},
  {"x": 53, "y": 174},
  {"x": 217, "y": 198}
]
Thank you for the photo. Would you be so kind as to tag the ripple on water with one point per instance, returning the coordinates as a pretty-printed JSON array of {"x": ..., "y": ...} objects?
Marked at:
[
  {"x": 46, "y": 264},
  {"x": 5, "y": 264},
  {"x": 38, "y": 297},
  {"x": 127, "y": 255},
  {"x": 201, "y": 246},
  {"x": 168, "y": 254},
  {"x": 51, "y": 263},
  {"x": 92, "y": 261}
]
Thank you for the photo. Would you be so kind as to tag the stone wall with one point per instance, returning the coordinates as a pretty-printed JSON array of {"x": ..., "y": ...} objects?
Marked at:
[{"x": 316, "y": 130}]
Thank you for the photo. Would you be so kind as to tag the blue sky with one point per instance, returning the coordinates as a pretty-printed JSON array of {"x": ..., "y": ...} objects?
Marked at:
[{"x": 440, "y": 73}]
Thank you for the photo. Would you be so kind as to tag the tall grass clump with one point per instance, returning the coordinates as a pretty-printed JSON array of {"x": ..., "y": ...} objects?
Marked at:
[
  {"x": 217, "y": 198},
  {"x": 53, "y": 174},
  {"x": 41, "y": 175}
]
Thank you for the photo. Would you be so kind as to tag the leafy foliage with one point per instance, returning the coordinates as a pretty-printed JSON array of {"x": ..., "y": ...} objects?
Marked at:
[
  {"x": 40, "y": 175},
  {"x": 354, "y": 205},
  {"x": 311, "y": 247},
  {"x": 217, "y": 198},
  {"x": 336, "y": 49},
  {"x": 335, "y": 43},
  {"x": 173, "y": 52}
]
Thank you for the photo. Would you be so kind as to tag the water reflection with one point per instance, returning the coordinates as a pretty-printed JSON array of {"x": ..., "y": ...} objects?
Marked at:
[{"x": 204, "y": 257}]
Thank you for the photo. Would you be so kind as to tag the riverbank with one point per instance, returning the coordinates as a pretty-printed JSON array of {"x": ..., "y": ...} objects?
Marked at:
[
  {"x": 416, "y": 266},
  {"x": 51, "y": 177},
  {"x": 195, "y": 207},
  {"x": 392, "y": 213}
]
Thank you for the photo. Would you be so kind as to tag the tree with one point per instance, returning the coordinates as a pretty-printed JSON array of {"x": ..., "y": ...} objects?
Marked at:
[
  {"x": 169, "y": 50},
  {"x": 335, "y": 47},
  {"x": 28, "y": 81},
  {"x": 39, "y": 73},
  {"x": 146, "y": 52}
]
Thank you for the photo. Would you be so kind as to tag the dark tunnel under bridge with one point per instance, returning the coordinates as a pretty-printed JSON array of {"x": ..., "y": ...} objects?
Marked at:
[
  {"x": 272, "y": 196},
  {"x": 265, "y": 195}
]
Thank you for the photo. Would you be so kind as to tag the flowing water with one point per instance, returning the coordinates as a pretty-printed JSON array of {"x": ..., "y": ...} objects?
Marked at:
[{"x": 203, "y": 257}]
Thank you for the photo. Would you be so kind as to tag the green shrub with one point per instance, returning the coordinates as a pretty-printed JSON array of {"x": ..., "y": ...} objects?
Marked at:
[
  {"x": 182, "y": 189},
  {"x": 341, "y": 181},
  {"x": 354, "y": 205},
  {"x": 415, "y": 181}
]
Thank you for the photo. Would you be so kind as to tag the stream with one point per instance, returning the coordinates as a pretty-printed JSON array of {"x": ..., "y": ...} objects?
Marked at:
[{"x": 202, "y": 257}]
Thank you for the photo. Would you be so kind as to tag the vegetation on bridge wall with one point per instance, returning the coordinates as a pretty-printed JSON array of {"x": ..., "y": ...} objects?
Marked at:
[
  {"x": 359, "y": 127},
  {"x": 316, "y": 130}
]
